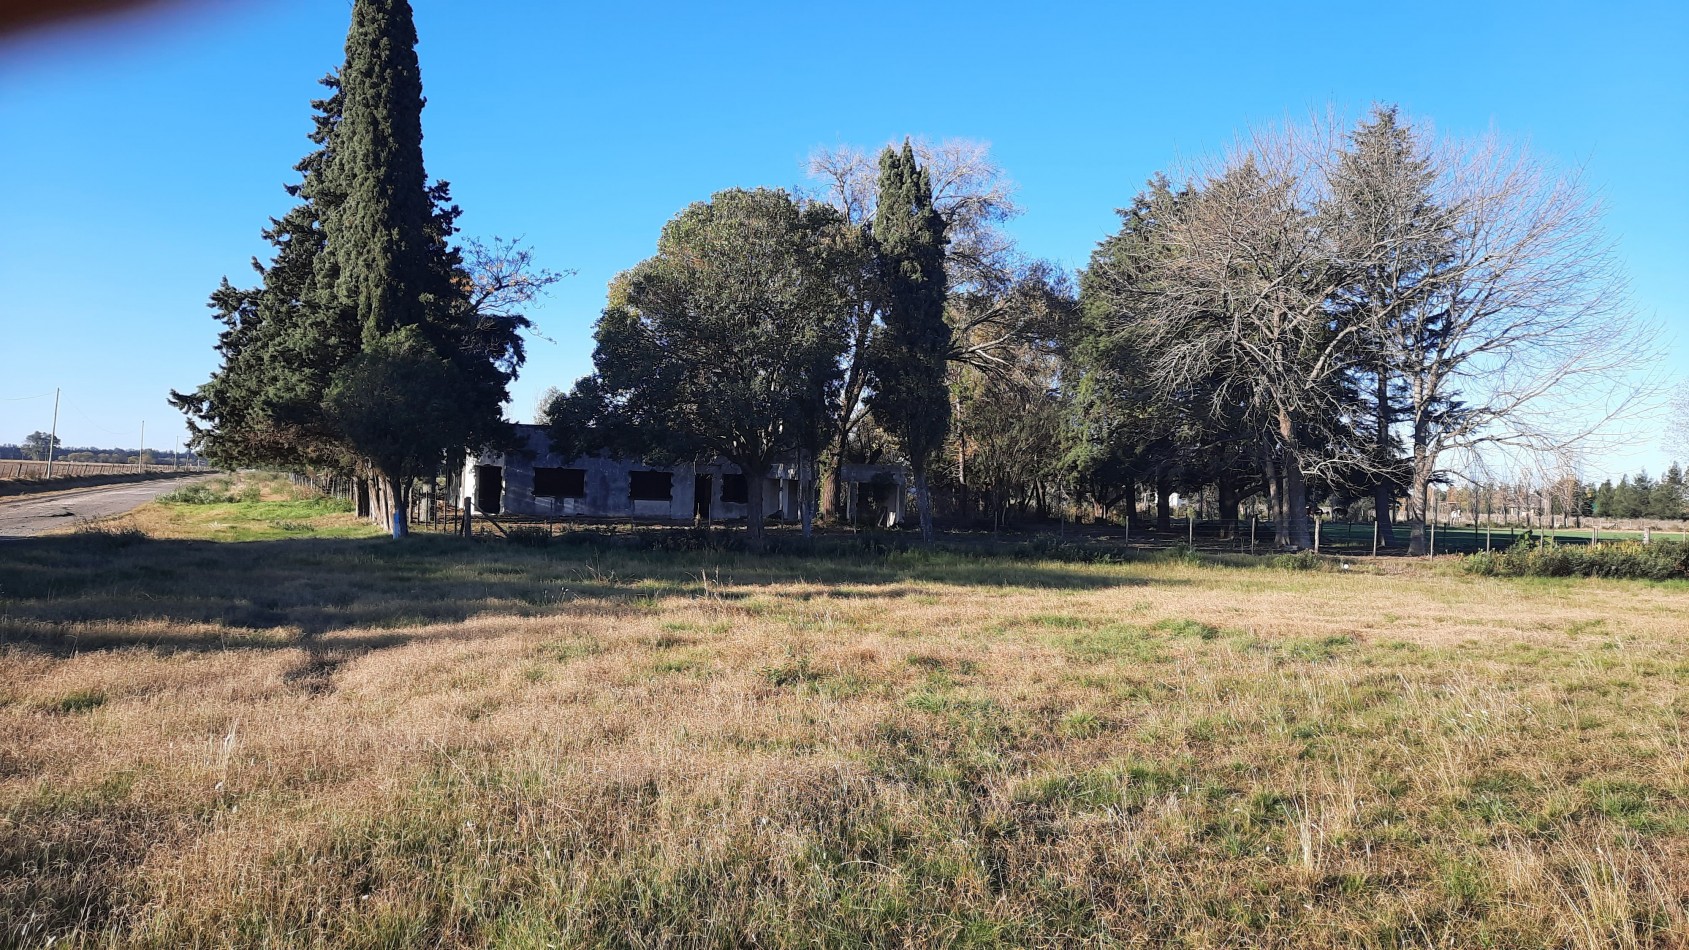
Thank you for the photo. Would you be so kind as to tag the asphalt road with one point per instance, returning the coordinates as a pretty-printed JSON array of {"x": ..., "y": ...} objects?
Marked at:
[{"x": 29, "y": 515}]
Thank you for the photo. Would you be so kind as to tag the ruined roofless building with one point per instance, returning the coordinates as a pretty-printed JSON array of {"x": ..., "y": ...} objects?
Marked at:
[{"x": 534, "y": 481}]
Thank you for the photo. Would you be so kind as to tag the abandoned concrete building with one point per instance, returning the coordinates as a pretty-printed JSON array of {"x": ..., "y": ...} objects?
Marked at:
[{"x": 534, "y": 481}]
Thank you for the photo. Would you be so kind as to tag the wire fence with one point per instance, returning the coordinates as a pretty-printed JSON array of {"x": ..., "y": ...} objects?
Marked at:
[{"x": 1363, "y": 538}]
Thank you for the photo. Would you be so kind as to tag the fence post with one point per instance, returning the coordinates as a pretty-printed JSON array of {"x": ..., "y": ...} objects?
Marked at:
[
  {"x": 468, "y": 516},
  {"x": 1252, "y": 534},
  {"x": 1433, "y": 537},
  {"x": 1316, "y": 535},
  {"x": 1375, "y": 529},
  {"x": 1190, "y": 522},
  {"x": 1486, "y": 539}
]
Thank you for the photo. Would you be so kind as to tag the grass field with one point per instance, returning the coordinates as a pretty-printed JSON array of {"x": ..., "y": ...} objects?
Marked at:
[{"x": 343, "y": 741}]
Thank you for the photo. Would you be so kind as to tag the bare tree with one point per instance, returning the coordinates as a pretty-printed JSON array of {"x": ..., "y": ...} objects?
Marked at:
[
  {"x": 1238, "y": 303},
  {"x": 971, "y": 192},
  {"x": 502, "y": 280},
  {"x": 974, "y": 197},
  {"x": 1677, "y": 421},
  {"x": 1523, "y": 345},
  {"x": 1453, "y": 302}
]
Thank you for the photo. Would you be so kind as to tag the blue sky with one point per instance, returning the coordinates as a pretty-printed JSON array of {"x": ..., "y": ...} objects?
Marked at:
[{"x": 139, "y": 158}]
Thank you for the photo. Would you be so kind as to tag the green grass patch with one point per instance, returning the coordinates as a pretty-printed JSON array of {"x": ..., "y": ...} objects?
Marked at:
[{"x": 80, "y": 701}]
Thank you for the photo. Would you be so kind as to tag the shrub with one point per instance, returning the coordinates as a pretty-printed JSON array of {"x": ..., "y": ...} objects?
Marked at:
[
  {"x": 529, "y": 536},
  {"x": 1300, "y": 561},
  {"x": 1662, "y": 560},
  {"x": 109, "y": 534},
  {"x": 202, "y": 493},
  {"x": 1182, "y": 553}
]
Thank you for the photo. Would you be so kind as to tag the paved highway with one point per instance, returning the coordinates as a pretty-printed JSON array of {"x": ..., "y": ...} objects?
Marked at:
[{"x": 29, "y": 515}]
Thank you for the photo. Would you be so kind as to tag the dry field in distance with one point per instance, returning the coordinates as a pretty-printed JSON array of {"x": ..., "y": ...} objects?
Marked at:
[{"x": 321, "y": 739}]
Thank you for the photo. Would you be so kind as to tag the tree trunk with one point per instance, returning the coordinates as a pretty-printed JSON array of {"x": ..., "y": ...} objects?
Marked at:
[
  {"x": 806, "y": 500},
  {"x": 399, "y": 493},
  {"x": 1275, "y": 499},
  {"x": 360, "y": 493},
  {"x": 964, "y": 503},
  {"x": 1418, "y": 502},
  {"x": 1382, "y": 503},
  {"x": 1163, "y": 502},
  {"x": 753, "y": 505},
  {"x": 1226, "y": 490},
  {"x": 830, "y": 489},
  {"x": 1296, "y": 505},
  {"x": 923, "y": 503},
  {"x": 1296, "y": 535},
  {"x": 1382, "y": 496},
  {"x": 834, "y": 485}
]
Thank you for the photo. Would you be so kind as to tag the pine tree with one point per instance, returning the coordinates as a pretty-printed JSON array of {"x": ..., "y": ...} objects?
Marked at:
[
  {"x": 911, "y": 350},
  {"x": 1381, "y": 202},
  {"x": 1626, "y": 501},
  {"x": 1642, "y": 488},
  {"x": 1604, "y": 499},
  {"x": 1672, "y": 494}
]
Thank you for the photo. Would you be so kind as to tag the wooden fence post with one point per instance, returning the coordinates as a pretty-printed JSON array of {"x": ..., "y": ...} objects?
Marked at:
[{"x": 468, "y": 517}]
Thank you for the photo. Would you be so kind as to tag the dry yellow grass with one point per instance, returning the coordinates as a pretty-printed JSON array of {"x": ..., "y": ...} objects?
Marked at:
[{"x": 357, "y": 743}]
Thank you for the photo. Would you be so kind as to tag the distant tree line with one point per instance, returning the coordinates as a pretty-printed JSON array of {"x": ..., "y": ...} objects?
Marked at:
[
  {"x": 1554, "y": 502},
  {"x": 1641, "y": 496},
  {"x": 34, "y": 447}
]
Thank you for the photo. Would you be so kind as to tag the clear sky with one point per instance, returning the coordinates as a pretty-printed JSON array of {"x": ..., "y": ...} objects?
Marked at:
[{"x": 140, "y": 157}]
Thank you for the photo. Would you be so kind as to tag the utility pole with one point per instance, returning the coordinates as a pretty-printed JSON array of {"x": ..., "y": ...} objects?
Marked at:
[
  {"x": 141, "y": 455},
  {"x": 53, "y": 437}
]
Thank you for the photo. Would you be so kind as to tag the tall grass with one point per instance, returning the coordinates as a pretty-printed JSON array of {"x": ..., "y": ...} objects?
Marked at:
[{"x": 354, "y": 742}]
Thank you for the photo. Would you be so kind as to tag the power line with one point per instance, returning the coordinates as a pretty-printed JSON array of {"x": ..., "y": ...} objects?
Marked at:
[
  {"x": 23, "y": 398},
  {"x": 90, "y": 421}
]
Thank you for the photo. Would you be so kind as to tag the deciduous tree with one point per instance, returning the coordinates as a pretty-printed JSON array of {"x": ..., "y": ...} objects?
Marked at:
[
  {"x": 1523, "y": 343},
  {"x": 726, "y": 342},
  {"x": 38, "y": 444}
]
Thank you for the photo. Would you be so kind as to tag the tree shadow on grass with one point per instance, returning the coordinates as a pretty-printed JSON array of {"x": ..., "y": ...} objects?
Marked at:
[{"x": 62, "y": 594}]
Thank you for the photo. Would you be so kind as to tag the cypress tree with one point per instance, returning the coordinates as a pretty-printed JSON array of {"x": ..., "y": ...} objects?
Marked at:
[
  {"x": 365, "y": 289},
  {"x": 398, "y": 277},
  {"x": 379, "y": 232},
  {"x": 910, "y": 399}
]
